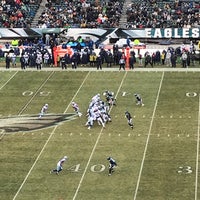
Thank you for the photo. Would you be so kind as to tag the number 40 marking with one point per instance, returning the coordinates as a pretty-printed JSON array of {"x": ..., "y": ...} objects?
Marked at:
[{"x": 95, "y": 168}]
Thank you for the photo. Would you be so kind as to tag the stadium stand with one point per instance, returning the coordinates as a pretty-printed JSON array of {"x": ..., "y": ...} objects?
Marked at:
[
  {"x": 81, "y": 14},
  {"x": 18, "y": 13},
  {"x": 163, "y": 14},
  {"x": 99, "y": 14}
]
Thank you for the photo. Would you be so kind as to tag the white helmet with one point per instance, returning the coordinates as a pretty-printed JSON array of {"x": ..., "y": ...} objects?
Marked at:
[
  {"x": 65, "y": 157},
  {"x": 46, "y": 104}
]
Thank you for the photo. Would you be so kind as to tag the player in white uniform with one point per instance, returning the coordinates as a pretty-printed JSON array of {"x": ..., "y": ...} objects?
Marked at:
[
  {"x": 43, "y": 110},
  {"x": 76, "y": 109},
  {"x": 59, "y": 165}
]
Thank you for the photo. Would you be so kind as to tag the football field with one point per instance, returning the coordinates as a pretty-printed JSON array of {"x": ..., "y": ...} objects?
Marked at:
[{"x": 157, "y": 160}]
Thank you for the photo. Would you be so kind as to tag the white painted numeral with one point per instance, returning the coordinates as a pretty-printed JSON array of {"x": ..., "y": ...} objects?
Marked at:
[
  {"x": 185, "y": 170},
  {"x": 98, "y": 168},
  {"x": 30, "y": 93},
  {"x": 95, "y": 168},
  {"x": 27, "y": 93},
  {"x": 191, "y": 94},
  {"x": 75, "y": 168}
]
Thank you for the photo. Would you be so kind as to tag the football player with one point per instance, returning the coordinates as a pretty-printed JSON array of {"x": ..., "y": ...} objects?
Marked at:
[
  {"x": 112, "y": 165},
  {"x": 129, "y": 119},
  {"x": 110, "y": 98},
  {"x": 43, "y": 110},
  {"x": 138, "y": 100},
  {"x": 59, "y": 165},
  {"x": 76, "y": 108}
]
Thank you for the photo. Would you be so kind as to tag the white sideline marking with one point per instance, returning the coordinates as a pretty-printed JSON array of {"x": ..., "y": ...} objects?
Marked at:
[
  {"x": 51, "y": 134},
  {"x": 95, "y": 145},
  {"x": 197, "y": 158},
  {"x": 148, "y": 137}
]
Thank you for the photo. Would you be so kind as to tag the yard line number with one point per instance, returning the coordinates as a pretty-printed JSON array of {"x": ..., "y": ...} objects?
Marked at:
[
  {"x": 30, "y": 93},
  {"x": 191, "y": 94},
  {"x": 94, "y": 168},
  {"x": 185, "y": 170}
]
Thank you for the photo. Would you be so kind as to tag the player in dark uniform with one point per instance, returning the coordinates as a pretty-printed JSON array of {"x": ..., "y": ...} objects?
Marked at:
[
  {"x": 138, "y": 100},
  {"x": 110, "y": 98},
  {"x": 112, "y": 165},
  {"x": 129, "y": 119}
]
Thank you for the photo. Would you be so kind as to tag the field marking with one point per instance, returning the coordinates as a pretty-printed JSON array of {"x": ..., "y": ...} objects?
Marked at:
[
  {"x": 22, "y": 110},
  {"x": 197, "y": 158},
  {"x": 95, "y": 145},
  {"x": 148, "y": 137},
  {"x": 2, "y": 134},
  {"x": 51, "y": 134},
  {"x": 8, "y": 80}
]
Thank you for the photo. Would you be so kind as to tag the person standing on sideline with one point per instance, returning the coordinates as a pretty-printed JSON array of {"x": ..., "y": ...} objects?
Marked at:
[
  {"x": 8, "y": 60},
  {"x": 13, "y": 58},
  {"x": 173, "y": 59},
  {"x": 122, "y": 62},
  {"x": 184, "y": 59},
  {"x": 129, "y": 119},
  {"x": 43, "y": 110},
  {"x": 168, "y": 58},
  {"x": 112, "y": 165},
  {"x": 163, "y": 57},
  {"x": 59, "y": 165},
  {"x": 138, "y": 100},
  {"x": 76, "y": 109},
  {"x": 99, "y": 62},
  {"x": 132, "y": 60},
  {"x": 140, "y": 59}
]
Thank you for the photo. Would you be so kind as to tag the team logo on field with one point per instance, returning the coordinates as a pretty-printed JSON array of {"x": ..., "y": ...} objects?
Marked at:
[{"x": 32, "y": 122}]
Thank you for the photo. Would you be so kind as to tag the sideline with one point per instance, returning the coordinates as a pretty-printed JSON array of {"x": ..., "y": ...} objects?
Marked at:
[{"x": 105, "y": 69}]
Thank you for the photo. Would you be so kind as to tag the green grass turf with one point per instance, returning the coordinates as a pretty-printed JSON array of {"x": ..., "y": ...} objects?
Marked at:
[{"x": 157, "y": 160}]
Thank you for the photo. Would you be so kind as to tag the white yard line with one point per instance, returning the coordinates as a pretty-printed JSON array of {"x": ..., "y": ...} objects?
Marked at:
[
  {"x": 25, "y": 179},
  {"x": 8, "y": 80},
  {"x": 95, "y": 145},
  {"x": 197, "y": 159},
  {"x": 148, "y": 137}
]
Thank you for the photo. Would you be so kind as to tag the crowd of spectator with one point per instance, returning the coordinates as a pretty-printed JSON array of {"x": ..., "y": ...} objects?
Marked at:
[
  {"x": 101, "y": 14},
  {"x": 163, "y": 14},
  {"x": 81, "y": 13},
  {"x": 16, "y": 13}
]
